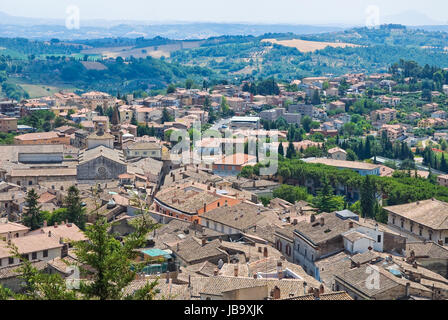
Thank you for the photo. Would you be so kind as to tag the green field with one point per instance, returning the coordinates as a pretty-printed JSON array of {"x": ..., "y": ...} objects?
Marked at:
[{"x": 40, "y": 90}]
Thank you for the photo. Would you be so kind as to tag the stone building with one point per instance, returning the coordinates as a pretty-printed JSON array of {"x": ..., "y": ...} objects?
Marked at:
[{"x": 101, "y": 163}]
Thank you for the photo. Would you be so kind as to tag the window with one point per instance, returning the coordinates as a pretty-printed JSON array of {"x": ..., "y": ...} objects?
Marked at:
[
  {"x": 446, "y": 240},
  {"x": 30, "y": 183},
  {"x": 420, "y": 232},
  {"x": 279, "y": 245},
  {"x": 402, "y": 223},
  {"x": 0, "y": 262},
  {"x": 207, "y": 223},
  {"x": 10, "y": 260},
  {"x": 288, "y": 250},
  {"x": 393, "y": 220},
  {"x": 34, "y": 255},
  {"x": 379, "y": 238},
  {"x": 45, "y": 253}
]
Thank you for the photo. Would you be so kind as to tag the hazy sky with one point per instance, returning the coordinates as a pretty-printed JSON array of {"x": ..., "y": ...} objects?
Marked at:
[{"x": 266, "y": 11}]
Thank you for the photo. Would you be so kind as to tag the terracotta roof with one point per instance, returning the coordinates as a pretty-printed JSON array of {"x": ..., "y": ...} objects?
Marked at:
[
  {"x": 12, "y": 227},
  {"x": 68, "y": 232},
  {"x": 345, "y": 164},
  {"x": 341, "y": 295},
  {"x": 240, "y": 216},
  {"x": 430, "y": 213},
  {"x": 30, "y": 243}
]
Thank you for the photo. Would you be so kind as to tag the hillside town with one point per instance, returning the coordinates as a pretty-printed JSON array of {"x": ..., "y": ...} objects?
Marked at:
[{"x": 357, "y": 209}]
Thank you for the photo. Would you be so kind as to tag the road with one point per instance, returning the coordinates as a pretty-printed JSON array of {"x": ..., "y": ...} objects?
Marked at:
[{"x": 220, "y": 123}]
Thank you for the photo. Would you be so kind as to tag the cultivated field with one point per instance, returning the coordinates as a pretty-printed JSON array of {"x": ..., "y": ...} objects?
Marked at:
[
  {"x": 153, "y": 51},
  {"x": 309, "y": 46}
]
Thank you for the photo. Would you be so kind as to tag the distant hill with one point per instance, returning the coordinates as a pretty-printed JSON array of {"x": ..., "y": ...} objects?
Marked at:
[{"x": 46, "y": 29}]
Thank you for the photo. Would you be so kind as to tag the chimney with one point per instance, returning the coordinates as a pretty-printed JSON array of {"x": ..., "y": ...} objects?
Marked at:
[
  {"x": 408, "y": 285},
  {"x": 255, "y": 276},
  {"x": 168, "y": 277},
  {"x": 55, "y": 224},
  {"x": 45, "y": 223},
  {"x": 294, "y": 222},
  {"x": 321, "y": 289},
  {"x": 279, "y": 270},
  {"x": 265, "y": 252},
  {"x": 350, "y": 224},
  {"x": 49, "y": 234},
  {"x": 440, "y": 242},
  {"x": 304, "y": 287},
  {"x": 275, "y": 293},
  {"x": 204, "y": 241},
  {"x": 235, "y": 270},
  {"x": 205, "y": 207},
  {"x": 215, "y": 272},
  {"x": 322, "y": 221},
  {"x": 312, "y": 218},
  {"x": 177, "y": 247},
  {"x": 316, "y": 294}
]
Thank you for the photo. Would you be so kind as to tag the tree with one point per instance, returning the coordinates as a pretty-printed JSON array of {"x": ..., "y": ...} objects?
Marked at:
[
  {"x": 280, "y": 149},
  {"x": 290, "y": 151},
  {"x": 32, "y": 217},
  {"x": 39, "y": 285},
  {"x": 306, "y": 123},
  {"x": 368, "y": 198},
  {"x": 134, "y": 120},
  {"x": 189, "y": 84},
  {"x": 171, "y": 89},
  {"x": 75, "y": 210},
  {"x": 166, "y": 116},
  {"x": 316, "y": 98},
  {"x": 325, "y": 200},
  {"x": 292, "y": 193},
  {"x": 111, "y": 260}
]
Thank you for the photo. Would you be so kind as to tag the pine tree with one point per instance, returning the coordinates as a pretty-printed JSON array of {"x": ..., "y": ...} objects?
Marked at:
[
  {"x": 32, "y": 217},
  {"x": 75, "y": 210},
  {"x": 280, "y": 149},
  {"x": 443, "y": 164},
  {"x": 325, "y": 200},
  {"x": 290, "y": 151},
  {"x": 166, "y": 116},
  {"x": 111, "y": 260},
  {"x": 368, "y": 199},
  {"x": 134, "y": 120}
]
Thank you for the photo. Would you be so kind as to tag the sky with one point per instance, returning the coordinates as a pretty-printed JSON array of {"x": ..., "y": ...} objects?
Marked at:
[{"x": 249, "y": 11}]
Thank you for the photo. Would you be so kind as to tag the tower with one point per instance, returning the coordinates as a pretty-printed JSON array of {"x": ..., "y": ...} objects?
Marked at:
[{"x": 115, "y": 129}]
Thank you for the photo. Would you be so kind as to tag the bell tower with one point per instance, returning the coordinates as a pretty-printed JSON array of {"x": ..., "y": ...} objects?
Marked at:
[{"x": 115, "y": 128}]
